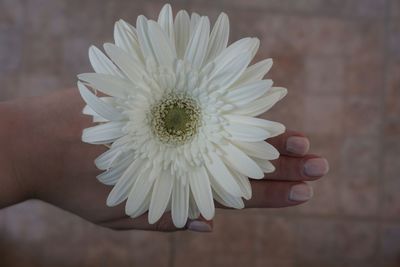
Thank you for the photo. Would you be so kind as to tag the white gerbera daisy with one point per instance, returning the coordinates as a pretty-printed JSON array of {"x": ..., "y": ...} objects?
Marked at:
[{"x": 179, "y": 116}]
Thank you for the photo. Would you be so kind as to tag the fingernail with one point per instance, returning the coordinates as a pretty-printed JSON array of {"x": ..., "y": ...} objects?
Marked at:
[
  {"x": 199, "y": 226},
  {"x": 297, "y": 145},
  {"x": 301, "y": 192},
  {"x": 316, "y": 167}
]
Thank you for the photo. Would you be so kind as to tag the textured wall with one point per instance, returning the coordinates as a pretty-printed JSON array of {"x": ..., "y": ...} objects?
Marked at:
[{"x": 340, "y": 61}]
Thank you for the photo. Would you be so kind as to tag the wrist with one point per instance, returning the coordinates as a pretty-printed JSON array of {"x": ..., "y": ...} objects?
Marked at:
[{"x": 13, "y": 188}]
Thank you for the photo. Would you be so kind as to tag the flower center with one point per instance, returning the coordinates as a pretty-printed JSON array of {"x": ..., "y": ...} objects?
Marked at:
[{"x": 175, "y": 119}]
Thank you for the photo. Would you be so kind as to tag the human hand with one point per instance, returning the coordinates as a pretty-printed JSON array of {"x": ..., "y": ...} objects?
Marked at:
[{"x": 51, "y": 163}]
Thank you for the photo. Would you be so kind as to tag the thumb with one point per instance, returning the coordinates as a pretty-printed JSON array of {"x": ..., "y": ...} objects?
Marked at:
[{"x": 164, "y": 224}]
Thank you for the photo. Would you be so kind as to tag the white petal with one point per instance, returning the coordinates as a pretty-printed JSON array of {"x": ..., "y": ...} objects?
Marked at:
[
  {"x": 194, "y": 212},
  {"x": 125, "y": 37},
  {"x": 262, "y": 104},
  {"x": 273, "y": 128},
  {"x": 234, "y": 52},
  {"x": 99, "y": 106},
  {"x": 244, "y": 184},
  {"x": 121, "y": 142},
  {"x": 244, "y": 44},
  {"x": 96, "y": 117},
  {"x": 129, "y": 27},
  {"x": 99, "y": 119},
  {"x": 219, "y": 37},
  {"x": 228, "y": 70},
  {"x": 197, "y": 47},
  {"x": 247, "y": 93},
  {"x": 254, "y": 47},
  {"x": 255, "y": 72},
  {"x": 116, "y": 151},
  {"x": 161, "y": 195},
  {"x": 101, "y": 64},
  {"x": 246, "y": 133},
  {"x": 128, "y": 64},
  {"x": 143, "y": 207},
  {"x": 144, "y": 39},
  {"x": 194, "y": 21},
  {"x": 107, "y": 84},
  {"x": 221, "y": 174},
  {"x": 223, "y": 197},
  {"x": 261, "y": 149},
  {"x": 265, "y": 165},
  {"x": 201, "y": 190},
  {"x": 111, "y": 176},
  {"x": 182, "y": 32},
  {"x": 140, "y": 190},
  {"x": 89, "y": 111},
  {"x": 103, "y": 133},
  {"x": 240, "y": 162},
  {"x": 121, "y": 190},
  {"x": 107, "y": 99},
  {"x": 180, "y": 204},
  {"x": 161, "y": 44},
  {"x": 105, "y": 160},
  {"x": 166, "y": 21}
]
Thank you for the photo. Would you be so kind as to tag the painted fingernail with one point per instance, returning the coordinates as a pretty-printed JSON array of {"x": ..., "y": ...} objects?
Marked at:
[
  {"x": 301, "y": 192},
  {"x": 297, "y": 145},
  {"x": 316, "y": 167},
  {"x": 199, "y": 226}
]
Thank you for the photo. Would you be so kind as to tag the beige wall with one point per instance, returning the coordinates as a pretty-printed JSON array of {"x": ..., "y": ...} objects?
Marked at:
[{"x": 340, "y": 61}]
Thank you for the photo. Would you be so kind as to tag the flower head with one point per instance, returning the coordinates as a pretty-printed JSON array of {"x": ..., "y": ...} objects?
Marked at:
[{"x": 179, "y": 116}]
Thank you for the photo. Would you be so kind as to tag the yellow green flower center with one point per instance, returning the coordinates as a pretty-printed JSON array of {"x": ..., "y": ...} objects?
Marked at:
[{"x": 175, "y": 119}]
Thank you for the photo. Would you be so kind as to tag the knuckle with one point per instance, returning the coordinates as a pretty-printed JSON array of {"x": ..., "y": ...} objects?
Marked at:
[
  {"x": 280, "y": 170},
  {"x": 282, "y": 141}
]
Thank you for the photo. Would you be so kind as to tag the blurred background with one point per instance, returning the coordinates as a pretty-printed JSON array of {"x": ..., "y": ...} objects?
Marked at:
[{"x": 340, "y": 61}]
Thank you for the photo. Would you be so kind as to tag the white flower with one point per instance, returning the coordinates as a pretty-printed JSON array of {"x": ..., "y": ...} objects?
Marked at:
[{"x": 179, "y": 116}]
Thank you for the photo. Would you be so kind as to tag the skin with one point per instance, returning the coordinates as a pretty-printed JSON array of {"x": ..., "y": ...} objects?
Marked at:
[{"x": 43, "y": 157}]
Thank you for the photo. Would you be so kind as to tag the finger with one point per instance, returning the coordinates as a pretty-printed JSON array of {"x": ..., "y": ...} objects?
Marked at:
[
  {"x": 164, "y": 224},
  {"x": 291, "y": 143},
  {"x": 307, "y": 168},
  {"x": 276, "y": 194}
]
